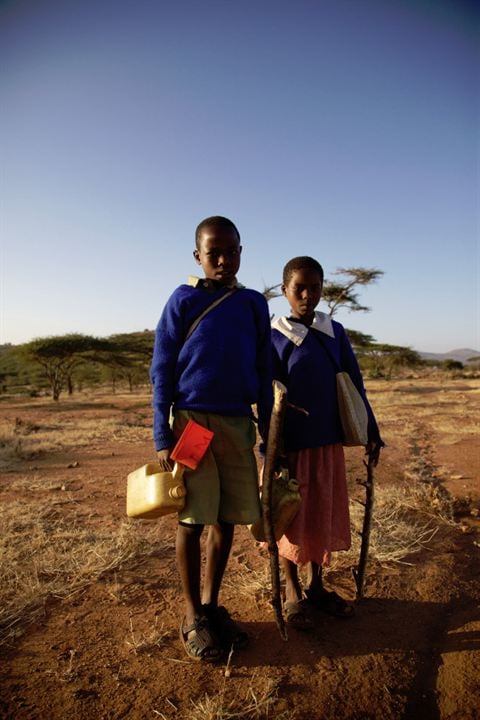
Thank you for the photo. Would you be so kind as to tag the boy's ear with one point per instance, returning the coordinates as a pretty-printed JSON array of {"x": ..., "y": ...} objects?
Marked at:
[
  {"x": 284, "y": 290},
  {"x": 196, "y": 255}
]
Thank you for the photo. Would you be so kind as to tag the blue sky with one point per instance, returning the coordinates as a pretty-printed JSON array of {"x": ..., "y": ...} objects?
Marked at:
[{"x": 343, "y": 129}]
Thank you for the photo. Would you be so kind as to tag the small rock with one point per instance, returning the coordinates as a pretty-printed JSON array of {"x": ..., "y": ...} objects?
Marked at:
[
  {"x": 475, "y": 512},
  {"x": 74, "y": 464}
]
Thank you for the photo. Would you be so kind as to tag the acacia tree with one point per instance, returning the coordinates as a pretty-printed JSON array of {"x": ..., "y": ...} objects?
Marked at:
[
  {"x": 59, "y": 355},
  {"x": 384, "y": 358},
  {"x": 339, "y": 294},
  {"x": 343, "y": 294},
  {"x": 129, "y": 357}
]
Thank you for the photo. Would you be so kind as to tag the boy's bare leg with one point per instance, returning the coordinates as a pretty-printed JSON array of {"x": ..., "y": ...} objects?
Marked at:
[
  {"x": 219, "y": 544},
  {"x": 188, "y": 564},
  {"x": 293, "y": 591}
]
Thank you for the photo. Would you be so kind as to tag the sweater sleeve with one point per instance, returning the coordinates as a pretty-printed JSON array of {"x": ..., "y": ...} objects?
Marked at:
[
  {"x": 349, "y": 363},
  {"x": 169, "y": 337}
]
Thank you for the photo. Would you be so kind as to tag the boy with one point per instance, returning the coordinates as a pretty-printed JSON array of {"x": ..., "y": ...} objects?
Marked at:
[{"x": 213, "y": 374}]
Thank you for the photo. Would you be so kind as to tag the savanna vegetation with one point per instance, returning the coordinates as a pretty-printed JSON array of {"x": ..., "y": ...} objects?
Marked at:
[{"x": 76, "y": 362}]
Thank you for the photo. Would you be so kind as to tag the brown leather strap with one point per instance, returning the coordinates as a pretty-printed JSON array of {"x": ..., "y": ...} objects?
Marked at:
[{"x": 207, "y": 310}]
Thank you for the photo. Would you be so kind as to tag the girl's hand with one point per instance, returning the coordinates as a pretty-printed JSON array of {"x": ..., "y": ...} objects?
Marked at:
[
  {"x": 164, "y": 459},
  {"x": 372, "y": 449}
]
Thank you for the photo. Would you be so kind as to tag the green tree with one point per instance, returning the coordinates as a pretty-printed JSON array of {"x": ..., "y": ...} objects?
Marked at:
[
  {"x": 359, "y": 340},
  {"x": 451, "y": 364},
  {"x": 382, "y": 359},
  {"x": 129, "y": 357},
  {"x": 59, "y": 355}
]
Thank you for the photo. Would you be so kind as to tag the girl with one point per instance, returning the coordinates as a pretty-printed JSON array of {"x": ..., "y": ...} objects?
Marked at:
[{"x": 303, "y": 346}]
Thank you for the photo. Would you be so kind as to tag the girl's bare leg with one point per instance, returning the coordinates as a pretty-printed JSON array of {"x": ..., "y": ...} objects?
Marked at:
[
  {"x": 315, "y": 582},
  {"x": 293, "y": 591},
  {"x": 219, "y": 544}
]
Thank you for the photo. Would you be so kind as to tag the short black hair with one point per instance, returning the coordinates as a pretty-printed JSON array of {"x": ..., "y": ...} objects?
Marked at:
[
  {"x": 303, "y": 262},
  {"x": 217, "y": 220}
]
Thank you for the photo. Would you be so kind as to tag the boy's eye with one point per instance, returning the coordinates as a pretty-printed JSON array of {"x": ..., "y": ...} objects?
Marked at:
[{"x": 233, "y": 252}]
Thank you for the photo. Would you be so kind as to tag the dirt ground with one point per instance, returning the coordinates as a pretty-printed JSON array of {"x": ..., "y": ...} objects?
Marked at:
[{"x": 110, "y": 649}]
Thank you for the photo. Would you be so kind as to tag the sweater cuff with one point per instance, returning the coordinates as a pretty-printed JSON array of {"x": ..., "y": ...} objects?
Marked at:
[{"x": 164, "y": 440}]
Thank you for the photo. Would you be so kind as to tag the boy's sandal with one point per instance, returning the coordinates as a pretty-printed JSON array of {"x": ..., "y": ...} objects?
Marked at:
[
  {"x": 228, "y": 631},
  {"x": 296, "y": 615},
  {"x": 199, "y": 642},
  {"x": 330, "y": 603}
]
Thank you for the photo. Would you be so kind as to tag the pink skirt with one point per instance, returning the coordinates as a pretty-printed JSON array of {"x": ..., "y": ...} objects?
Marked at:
[{"x": 322, "y": 524}]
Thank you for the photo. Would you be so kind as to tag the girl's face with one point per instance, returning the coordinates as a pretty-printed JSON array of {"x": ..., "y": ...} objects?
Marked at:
[{"x": 303, "y": 292}]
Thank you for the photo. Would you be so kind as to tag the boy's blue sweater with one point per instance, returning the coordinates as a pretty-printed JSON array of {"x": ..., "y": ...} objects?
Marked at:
[
  {"x": 305, "y": 367},
  {"x": 225, "y": 365}
]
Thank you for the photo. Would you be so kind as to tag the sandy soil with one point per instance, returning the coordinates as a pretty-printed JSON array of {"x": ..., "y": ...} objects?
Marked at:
[{"x": 411, "y": 651}]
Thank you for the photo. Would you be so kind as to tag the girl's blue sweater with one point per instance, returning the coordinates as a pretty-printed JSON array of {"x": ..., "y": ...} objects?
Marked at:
[
  {"x": 309, "y": 375},
  {"x": 225, "y": 365}
]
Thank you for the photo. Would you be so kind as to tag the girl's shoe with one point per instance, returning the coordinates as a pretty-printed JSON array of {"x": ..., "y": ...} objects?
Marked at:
[
  {"x": 296, "y": 615},
  {"x": 330, "y": 603}
]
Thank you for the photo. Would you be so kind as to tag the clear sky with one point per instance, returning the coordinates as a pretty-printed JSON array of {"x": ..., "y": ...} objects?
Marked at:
[{"x": 343, "y": 129}]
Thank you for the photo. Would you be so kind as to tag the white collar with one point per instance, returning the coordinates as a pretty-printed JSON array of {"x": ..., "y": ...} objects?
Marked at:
[{"x": 296, "y": 332}]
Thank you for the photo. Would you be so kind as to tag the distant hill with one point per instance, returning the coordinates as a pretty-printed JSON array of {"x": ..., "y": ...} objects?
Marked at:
[{"x": 460, "y": 354}]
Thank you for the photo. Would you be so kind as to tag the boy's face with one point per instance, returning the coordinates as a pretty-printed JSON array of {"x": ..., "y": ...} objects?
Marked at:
[
  {"x": 303, "y": 292},
  {"x": 218, "y": 253}
]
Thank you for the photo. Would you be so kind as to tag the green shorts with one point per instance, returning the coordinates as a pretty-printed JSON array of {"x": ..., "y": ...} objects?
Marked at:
[{"x": 225, "y": 484}]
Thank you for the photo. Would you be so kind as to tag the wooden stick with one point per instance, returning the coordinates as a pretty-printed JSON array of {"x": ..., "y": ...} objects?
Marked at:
[
  {"x": 359, "y": 572},
  {"x": 273, "y": 451}
]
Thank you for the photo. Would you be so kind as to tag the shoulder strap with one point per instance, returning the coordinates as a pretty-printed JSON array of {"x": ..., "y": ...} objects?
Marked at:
[
  {"x": 327, "y": 350},
  {"x": 207, "y": 310}
]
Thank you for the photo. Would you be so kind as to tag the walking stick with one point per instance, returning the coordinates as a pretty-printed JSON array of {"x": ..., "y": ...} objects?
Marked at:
[
  {"x": 271, "y": 458},
  {"x": 359, "y": 571}
]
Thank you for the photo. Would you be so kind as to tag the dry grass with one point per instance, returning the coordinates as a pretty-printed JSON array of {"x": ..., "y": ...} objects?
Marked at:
[
  {"x": 259, "y": 702},
  {"x": 47, "y": 552},
  {"x": 247, "y": 582},
  {"x": 23, "y": 440},
  {"x": 444, "y": 409},
  {"x": 404, "y": 522},
  {"x": 140, "y": 642}
]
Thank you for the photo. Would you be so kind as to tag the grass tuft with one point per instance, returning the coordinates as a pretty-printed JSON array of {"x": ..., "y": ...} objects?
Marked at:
[{"x": 257, "y": 703}]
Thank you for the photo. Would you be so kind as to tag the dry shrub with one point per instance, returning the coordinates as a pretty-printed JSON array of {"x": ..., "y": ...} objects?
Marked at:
[
  {"x": 404, "y": 522},
  {"x": 46, "y": 553}
]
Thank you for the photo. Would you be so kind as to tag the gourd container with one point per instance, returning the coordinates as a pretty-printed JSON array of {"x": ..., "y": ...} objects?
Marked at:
[{"x": 286, "y": 502}]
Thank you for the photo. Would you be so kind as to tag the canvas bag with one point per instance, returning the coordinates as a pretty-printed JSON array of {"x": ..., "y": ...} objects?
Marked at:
[
  {"x": 352, "y": 410},
  {"x": 351, "y": 406}
]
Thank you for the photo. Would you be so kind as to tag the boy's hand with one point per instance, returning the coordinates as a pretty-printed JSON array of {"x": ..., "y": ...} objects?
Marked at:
[{"x": 164, "y": 459}]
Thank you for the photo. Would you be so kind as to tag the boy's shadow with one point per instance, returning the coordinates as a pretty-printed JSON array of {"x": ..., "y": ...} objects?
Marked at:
[{"x": 424, "y": 631}]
